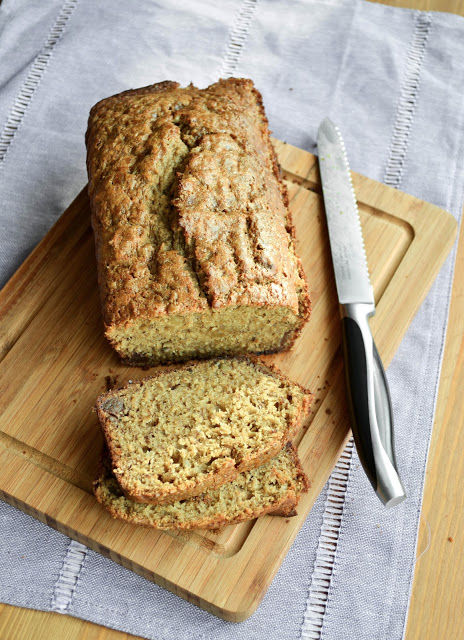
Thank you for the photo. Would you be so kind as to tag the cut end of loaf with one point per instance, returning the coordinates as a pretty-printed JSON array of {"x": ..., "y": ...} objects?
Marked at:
[{"x": 233, "y": 331}]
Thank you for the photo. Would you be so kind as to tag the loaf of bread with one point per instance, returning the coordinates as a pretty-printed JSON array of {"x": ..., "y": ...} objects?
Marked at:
[
  {"x": 194, "y": 239},
  {"x": 273, "y": 488},
  {"x": 194, "y": 427}
]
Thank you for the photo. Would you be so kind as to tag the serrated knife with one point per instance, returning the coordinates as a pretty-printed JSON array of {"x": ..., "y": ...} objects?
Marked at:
[{"x": 367, "y": 388}]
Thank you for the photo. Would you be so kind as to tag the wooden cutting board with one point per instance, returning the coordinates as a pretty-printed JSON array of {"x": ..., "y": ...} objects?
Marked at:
[{"x": 55, "y": 362}]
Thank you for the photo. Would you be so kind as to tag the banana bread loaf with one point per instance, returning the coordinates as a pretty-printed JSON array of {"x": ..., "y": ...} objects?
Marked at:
[
  {"x": 197, "y": 426},
  {"x": 273, "y": 488},
  {"x": 194, "y": 239}
]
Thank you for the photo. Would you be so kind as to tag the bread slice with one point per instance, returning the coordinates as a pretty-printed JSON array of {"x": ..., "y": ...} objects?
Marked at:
[
  {"x": 194, "y": 239},
  {"x": 274, "y": 488},
  {"x": 195, "y": 427}
]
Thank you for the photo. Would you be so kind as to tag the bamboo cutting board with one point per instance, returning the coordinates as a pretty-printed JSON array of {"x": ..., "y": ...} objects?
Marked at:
[{"x": 55, "y": 362}]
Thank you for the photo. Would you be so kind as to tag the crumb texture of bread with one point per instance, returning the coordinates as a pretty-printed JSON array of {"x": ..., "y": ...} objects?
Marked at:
[
  {"x": 273, "y": 488},
  {"x": 195, "y": 427},
  {"x": 194, "y": 239}
]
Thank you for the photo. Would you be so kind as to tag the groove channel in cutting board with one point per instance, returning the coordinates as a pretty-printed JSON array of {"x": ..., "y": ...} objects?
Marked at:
[{"x": 55, "y": 362}]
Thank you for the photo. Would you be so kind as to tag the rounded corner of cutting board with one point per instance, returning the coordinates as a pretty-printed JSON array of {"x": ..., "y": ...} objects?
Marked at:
[
  {"x": 239, "y": 614},
  {"x": 452, "y": 223}
]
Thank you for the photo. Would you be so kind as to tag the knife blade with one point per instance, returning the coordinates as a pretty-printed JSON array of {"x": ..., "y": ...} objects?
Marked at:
[{"x": 368, "y": 394}]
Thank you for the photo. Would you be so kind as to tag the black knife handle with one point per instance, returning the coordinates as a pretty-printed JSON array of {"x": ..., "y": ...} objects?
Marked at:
[{"x": 369, "y": 404}]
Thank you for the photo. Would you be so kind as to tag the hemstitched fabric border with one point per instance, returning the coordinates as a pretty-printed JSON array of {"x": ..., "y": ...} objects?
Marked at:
[
  {"x": 313, "y": 620},
  {"x": 65, "y": 586},
  {"x": 408, "y": 99},
  {"x": 237, "y": 38},
  {"x": 325, "y": 557},
  {"x": 33, "y": 78}
]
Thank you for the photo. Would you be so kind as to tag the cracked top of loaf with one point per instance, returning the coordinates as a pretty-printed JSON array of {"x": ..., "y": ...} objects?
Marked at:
[{"x": 188, "y": 208}]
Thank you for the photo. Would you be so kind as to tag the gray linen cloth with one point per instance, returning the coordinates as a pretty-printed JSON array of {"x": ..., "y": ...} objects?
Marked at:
[{"x": 392, "y": 80}]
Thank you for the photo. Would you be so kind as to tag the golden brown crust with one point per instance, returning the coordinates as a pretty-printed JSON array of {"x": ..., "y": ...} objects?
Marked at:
[
  {"x": 229, "y": 470},
  {"x": 205, "y": 159},
  {"x": 130, "y": 511}
]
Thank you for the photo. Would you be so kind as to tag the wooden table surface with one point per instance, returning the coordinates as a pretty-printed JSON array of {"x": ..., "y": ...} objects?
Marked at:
[{"x": 437, "y": 604}]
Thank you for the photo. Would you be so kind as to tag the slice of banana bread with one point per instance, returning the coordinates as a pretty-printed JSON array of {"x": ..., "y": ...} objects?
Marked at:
[
  {"x": 195, "y": 243},
  {"x": 195, "y": 427},
  {"x": 273, "y": 488}
]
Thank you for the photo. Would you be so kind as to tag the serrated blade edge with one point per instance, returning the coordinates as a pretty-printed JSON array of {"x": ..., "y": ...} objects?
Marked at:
[{"x": 344, "y": 225}]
